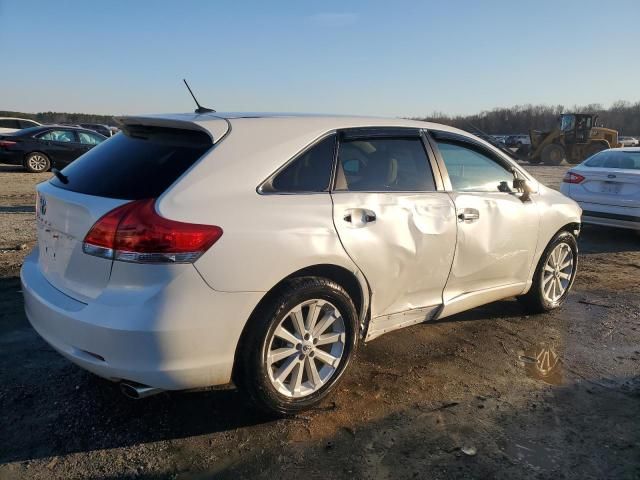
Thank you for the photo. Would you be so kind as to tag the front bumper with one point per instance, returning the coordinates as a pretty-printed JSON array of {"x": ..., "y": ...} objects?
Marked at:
[{"x": 183, "y": 336}]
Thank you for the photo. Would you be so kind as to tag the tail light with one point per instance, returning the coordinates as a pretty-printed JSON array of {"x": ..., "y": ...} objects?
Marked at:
[
  {"x": 572, "y": 177},
  {"x": 134, "y": 232},
  {"x": 7, "y": 143}
]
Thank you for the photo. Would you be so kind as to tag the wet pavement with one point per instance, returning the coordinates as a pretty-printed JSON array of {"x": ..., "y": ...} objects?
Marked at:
[{"x": 489, "y": 393}]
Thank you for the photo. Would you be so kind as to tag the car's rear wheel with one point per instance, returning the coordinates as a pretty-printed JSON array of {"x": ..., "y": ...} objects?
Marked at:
[
  {"x": 297, "y": 346},
  {"x": 552, "y": 154},
  {"x": 37, "y": 162},
  {"x": 554, "y": 275}
]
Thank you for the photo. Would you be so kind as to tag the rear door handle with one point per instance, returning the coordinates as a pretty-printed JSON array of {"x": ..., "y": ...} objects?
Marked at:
[
  {"x": 359, "y": 217},
  {"x": 468, "y": 215}
]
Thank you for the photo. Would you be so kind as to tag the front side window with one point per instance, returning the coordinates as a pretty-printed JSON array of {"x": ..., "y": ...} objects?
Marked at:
[
  {"x": 384, "y": 164},
  {"x": 309, "y": 172},
  {"x": 89, "y": 138},
  {"x": 58, "y": 136},
  {"x": 27, "y": 124},
  {"x": 471, "y": 170}
]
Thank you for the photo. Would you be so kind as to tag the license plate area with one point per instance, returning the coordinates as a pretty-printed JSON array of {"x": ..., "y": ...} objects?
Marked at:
[
  {"x": 611, "y": 188},
  {"x": 55, "y": 249}
]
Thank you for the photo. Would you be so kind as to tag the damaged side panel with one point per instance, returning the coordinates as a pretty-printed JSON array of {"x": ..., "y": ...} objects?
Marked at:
[{"x": 404, "y": 244}]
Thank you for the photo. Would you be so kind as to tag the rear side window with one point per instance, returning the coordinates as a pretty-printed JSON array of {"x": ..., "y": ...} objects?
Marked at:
[
  {"x": 309, "y": 172},
  {"x": 64, "y": 136},
  {"x": 9, "y": 123},
  {"x": 384, "y": 164},
  {"x": 141, "y": 162},
  {"x": 615, "y": 159}
]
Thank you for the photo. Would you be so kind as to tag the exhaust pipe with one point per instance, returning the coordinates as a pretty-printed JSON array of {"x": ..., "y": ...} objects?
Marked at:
[{"x": 138, "y": 391}]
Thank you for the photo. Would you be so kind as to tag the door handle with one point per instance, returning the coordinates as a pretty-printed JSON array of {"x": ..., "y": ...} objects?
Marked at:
[
  {"x": 468, "y": 215},
  {"x": 359, "y": 217}
]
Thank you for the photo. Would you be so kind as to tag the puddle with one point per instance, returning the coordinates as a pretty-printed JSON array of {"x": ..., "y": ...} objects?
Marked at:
[{"x": 542, "y": 363}]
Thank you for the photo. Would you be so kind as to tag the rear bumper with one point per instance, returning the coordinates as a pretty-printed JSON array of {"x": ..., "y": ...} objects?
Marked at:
[
  {"x": 610, "y": 215},
  {"x": 183, "y": 336},
  {"x": 12, "y": 158}
]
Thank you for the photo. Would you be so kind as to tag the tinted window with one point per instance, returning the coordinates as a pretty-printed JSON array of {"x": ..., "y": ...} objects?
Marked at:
[
  {"x": 89, "y": 138},
  {"x": 310, "y": 172},
  {"x": 471, "y": 170},
  {"x": 9, "y": 123},
  {"x": 615, "y": 159},
  {"x": 27, "y": 124},
  {"x": 58, "y": 136},
  {"x": 385, "y": 164},
  {"x": 141, "y": 163}
]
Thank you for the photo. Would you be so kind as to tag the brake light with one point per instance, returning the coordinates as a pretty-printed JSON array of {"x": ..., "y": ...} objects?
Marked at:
[
  {"x": 134, "y": 232},
  {"x": 7, "y": 143},
  {"x": 572, "y": 177}
]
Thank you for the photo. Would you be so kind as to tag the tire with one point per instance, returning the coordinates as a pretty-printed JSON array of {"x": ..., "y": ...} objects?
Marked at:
[
  {"x": 537, "y": 300},
  {"x": 37, "y": 162},
  {"x": 552, "y": 154},
  {"x": 256, "y": 372}
]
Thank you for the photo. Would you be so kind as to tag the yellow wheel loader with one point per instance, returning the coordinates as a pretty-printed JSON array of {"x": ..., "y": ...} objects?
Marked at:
[{"x": 575, "y": 139}]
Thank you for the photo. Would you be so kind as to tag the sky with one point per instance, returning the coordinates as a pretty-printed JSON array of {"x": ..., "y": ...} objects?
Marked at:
[{"x": 391, "y": 58}]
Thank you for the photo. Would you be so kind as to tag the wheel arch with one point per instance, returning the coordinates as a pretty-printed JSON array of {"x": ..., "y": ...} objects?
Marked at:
[
  {"x": 354, "y": 284},
  {"x": 570, "y": 227}
]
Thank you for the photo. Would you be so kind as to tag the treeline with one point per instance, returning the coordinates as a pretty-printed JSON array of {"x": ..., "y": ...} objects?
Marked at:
[
  {"x": 62, "y": 117},
  {"x": 622, "y": 116}
]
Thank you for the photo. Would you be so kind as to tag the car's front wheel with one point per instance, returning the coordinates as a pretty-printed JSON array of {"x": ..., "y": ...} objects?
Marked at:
[
  {"x": 554, "y": 275},
  {"x": 298, "y": 345},
  {"x": 37, "y": 162}
]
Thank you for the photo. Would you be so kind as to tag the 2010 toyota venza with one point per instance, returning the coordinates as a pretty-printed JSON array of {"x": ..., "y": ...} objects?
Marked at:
[{"x": 196, "y": 250}]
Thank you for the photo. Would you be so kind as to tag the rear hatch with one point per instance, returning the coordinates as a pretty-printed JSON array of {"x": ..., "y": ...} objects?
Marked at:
[
  {"x": 141, "y": 162},
  {"x": 608, "y": 186}
]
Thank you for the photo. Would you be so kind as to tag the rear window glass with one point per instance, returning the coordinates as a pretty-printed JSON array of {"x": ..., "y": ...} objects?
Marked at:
[
  {"x": 141, "y": 162},
  {"x": 615, "y": 159}
]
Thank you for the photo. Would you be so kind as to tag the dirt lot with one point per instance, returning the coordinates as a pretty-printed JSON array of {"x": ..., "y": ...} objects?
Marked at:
[{"x": 462, "y": 398}]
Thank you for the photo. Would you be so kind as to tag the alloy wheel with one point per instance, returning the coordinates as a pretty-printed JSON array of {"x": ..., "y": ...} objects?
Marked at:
[
  {"x": 557, "y": 273},
  {"x": 37, "y": 162},
  {"x": 306, "y": 348}
]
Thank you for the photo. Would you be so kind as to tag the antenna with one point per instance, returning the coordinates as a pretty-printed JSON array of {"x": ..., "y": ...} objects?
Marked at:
[{"x": 200, "y": 108}]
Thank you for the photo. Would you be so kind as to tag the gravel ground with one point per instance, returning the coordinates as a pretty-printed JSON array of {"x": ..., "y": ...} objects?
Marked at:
[{"x": 490, "y": 393}]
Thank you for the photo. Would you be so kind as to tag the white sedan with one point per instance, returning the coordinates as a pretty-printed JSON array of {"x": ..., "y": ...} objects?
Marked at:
[
  {"x": 193, "y": 250},
  {"x": 628, "y": 141},
  {"x": 607, "y": 187},
  {"x": 11, "y": 124}
]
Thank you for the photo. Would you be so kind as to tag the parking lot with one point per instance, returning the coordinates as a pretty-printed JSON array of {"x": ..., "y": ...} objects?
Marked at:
[{"x": 491, "y": 393}]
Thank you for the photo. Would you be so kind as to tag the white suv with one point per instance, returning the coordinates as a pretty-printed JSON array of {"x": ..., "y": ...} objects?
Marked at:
[{"x": 191, "y": 250}]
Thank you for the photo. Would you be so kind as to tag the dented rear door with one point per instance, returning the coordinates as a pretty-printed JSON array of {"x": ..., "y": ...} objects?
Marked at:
[{"x": 392, "y": 221}]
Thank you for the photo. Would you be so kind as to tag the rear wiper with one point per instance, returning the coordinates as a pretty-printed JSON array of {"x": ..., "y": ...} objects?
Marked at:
[{"x": 60, "y": 176}]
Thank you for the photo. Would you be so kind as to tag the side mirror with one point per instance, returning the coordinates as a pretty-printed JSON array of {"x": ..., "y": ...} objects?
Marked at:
[{"x": 521, "y": 185}]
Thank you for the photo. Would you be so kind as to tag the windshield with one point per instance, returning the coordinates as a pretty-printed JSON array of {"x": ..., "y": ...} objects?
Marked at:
[
  {"x": 615, "y": 159},
  {"x": 567, "y": 122}
]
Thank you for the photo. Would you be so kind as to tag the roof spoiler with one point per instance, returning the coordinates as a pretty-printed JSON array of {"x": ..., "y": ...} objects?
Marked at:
[{"x": 214, "y": 127}]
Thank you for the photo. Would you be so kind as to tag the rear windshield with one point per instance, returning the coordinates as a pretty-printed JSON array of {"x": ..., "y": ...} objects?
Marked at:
[
  {"x": 615, "y": 159},
  {"x": 140, "y": 162}
]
